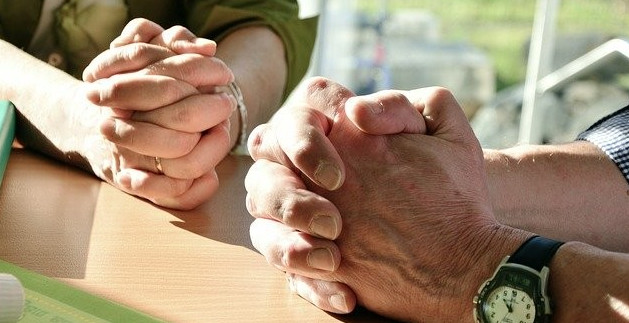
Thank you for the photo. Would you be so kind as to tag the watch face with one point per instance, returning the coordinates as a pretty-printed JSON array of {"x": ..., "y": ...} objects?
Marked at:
[{"x": 506, "y": 304}]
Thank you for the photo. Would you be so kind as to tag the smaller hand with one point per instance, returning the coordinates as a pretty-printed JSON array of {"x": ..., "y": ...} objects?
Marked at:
[{"x": 160, "y": 93}]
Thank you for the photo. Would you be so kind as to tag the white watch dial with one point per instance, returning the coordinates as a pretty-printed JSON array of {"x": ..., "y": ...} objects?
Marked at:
[{"x": 505, "y": 304}]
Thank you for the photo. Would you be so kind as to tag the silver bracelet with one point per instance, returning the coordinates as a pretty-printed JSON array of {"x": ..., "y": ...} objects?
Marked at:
[{"x": 241, "y": 142}]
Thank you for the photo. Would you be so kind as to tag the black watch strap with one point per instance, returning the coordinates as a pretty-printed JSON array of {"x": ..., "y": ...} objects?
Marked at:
[{"x": 536, "y": 252}]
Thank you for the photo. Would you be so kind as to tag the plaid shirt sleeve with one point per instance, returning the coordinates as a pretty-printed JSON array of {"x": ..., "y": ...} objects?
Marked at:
[{"x": 611, "y": 134}]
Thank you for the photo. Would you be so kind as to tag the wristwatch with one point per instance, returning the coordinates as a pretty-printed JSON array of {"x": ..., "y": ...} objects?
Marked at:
[{"x": 517, "y": 292}]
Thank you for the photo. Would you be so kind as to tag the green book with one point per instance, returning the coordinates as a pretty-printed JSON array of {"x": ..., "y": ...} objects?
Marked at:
[
  {"x": 49, "y": 300},
  {"x": 7, "y": 129}
]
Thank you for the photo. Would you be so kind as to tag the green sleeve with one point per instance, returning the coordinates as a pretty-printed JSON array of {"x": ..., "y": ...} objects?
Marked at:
[{"x": 215, "y": 21}]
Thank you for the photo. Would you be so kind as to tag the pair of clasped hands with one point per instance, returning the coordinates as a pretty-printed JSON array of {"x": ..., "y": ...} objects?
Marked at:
[
  {"x": 163, "y": 114},
  {"x": 378, "y": 200}
]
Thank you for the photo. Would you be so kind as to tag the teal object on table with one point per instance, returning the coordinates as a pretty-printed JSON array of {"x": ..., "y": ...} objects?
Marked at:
[{"x": 7, "y": 130}]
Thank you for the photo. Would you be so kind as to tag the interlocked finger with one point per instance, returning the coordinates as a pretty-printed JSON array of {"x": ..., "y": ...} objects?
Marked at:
[
  {"x": 331, "y": 296},
  {"x": 128, "y": 58},
  {"x": 275, "y": 192},
  {"x": 149, "y": 139},
  {"x": 195, "y": 113},
  {"x": 386, "y": 112},
  {"x": 149, "y": 185},
  {"x": 293, "y": 251},
  {"x": 181, "y": 40},
  {"x": 209, "y": 151},
  {"x": 195, "y": 69},
  {"x": 200, "y": 191},
  {"x": 138, "y": 92},
  {"x": 138, "y": 30}
]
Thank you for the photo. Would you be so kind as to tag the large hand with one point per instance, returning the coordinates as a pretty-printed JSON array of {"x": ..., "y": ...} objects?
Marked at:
[
  {"x": 162, "y": 90},
  {"x": 415, "y": 216},
  {"x": 297, "y": 139}
]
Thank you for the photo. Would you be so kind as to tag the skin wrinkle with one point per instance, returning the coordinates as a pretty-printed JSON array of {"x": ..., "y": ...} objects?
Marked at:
[
  {"x": 288, "y": 208},
  {"x": 406, "y": 267},
  {"x": 391, "y": 262},
  {"x": 185, "y": 70},
  {"x": 317, "y": 91},
  {"x": 183, "y": 115},
  {"x": 403, "y": 260}
]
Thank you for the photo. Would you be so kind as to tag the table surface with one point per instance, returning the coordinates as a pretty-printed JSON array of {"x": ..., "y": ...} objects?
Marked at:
[{"x": 195, "y": 266}]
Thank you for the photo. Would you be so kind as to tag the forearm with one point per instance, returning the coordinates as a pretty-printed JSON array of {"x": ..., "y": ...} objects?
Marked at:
[
  {"x": 47, "y": 121},
  {"x": 589, "y": 285},
  {"x": 566, "y": 192},
  {"x": 256, "y": 57}
]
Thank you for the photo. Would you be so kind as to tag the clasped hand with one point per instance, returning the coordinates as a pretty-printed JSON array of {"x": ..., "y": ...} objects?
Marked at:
[
  {"x": 378, "y": 200},
  {"x": 159, "y": 91}
]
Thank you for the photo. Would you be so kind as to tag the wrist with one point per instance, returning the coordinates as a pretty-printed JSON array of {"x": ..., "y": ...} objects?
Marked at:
[
  {"x": 79, "y": 139},
  {"x": 496, "y": 243},
  {"x": 581, "y": 272}
]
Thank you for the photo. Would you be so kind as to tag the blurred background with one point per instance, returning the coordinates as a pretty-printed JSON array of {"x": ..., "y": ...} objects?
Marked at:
[{"x": 480, "y": 50}]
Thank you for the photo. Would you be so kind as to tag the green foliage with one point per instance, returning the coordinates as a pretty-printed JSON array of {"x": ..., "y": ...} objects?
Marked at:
[{"x": 503, "y": 27}]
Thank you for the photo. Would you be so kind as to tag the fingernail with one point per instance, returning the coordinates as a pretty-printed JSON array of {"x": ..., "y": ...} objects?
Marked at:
[
  {"x": 324, "y": 226},
  {"x": 328, "y": 175},
  {"x": 232, "y": 100},
  {"x": 249, "y": 204},
  {"x": 203, "y": 42},
  {"x": 338, "y": 302},
  {"x": 321, "y": 258},
  {"x": 107, "y": 127},
  {"x": 118, "y": 41},
  {"x": 93, "y": 93}
]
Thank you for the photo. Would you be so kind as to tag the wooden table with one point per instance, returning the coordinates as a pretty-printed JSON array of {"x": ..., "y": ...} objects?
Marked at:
[{"x": 196, "y": 266}]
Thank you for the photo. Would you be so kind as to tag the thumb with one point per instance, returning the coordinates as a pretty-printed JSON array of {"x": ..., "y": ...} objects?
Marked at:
[
  {"x": 444, "y": 116},
  {"x": 386, "y": 112}
]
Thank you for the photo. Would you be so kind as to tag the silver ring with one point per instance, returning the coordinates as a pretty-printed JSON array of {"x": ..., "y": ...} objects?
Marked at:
[{"x": 158, "y": 165}]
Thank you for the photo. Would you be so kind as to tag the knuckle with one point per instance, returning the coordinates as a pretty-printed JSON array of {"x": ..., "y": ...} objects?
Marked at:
[
  {"x": 440, "y": 94},
  {"x": 190, "y": 67},
  {"x": 123, "y": 135},
  {"x": 194, "y": 168},
  {"x": 183, "y": 114},
  {"x": 303, "y": 148},
  {"x": 397, "y": 97},
  {"x": 180, "y": 145},
  {"x": 316, "y": 84},
  {"x": 179, "y": 187},
  {"x": 187, "y": 142},
  {"x": 334, "y": 94},
  {"x": 171, "y": 88},
  {"x": 289, "y": 255},
  {"x": 112, "y": 89},
  {"x": 139, "y": 23},
  {"x": 288, "y": 210},
  {"x": 178, "y": 32},
  {"x": 134, "y": 51},
  {"x": 256, "y": 141}
]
